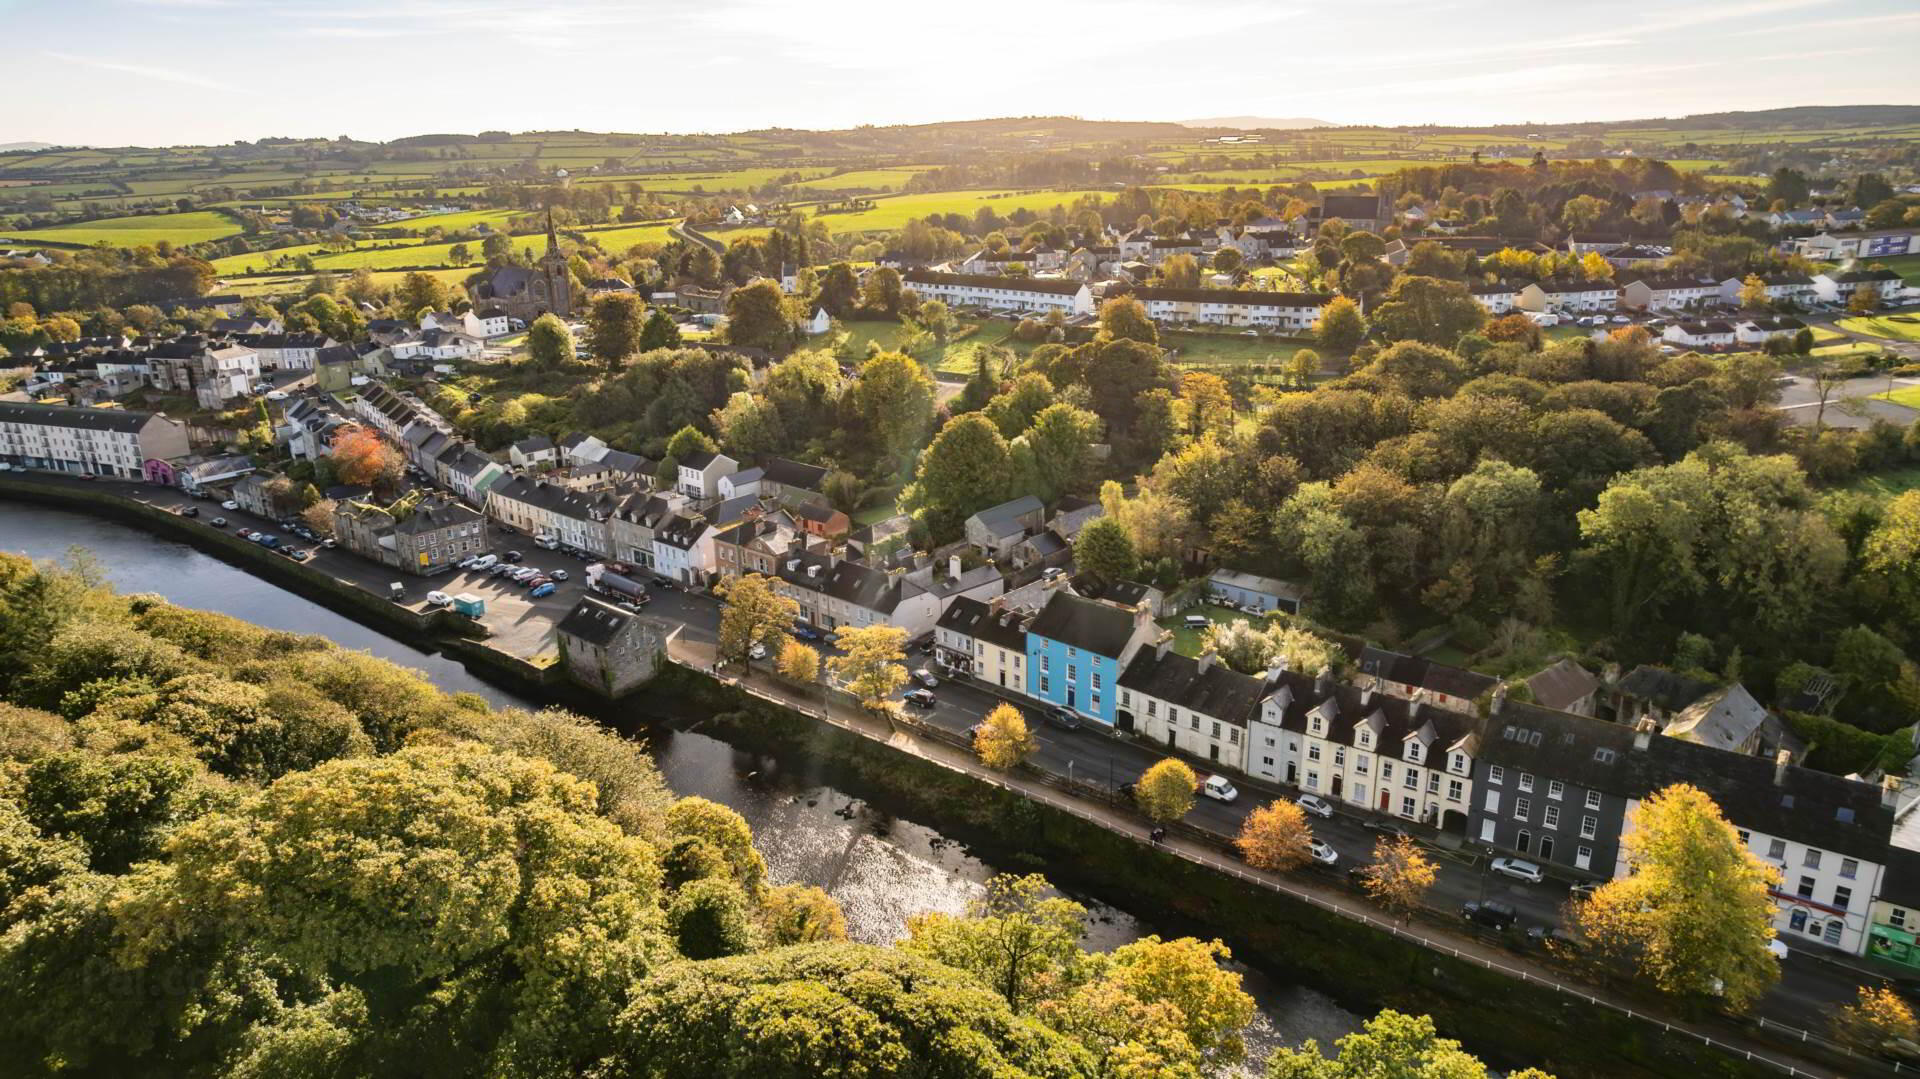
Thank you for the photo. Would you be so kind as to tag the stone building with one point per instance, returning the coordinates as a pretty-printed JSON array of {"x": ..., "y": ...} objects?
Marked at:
[
  {"x": 610, "y": 649},
  {"x": 526, "y": 294}
]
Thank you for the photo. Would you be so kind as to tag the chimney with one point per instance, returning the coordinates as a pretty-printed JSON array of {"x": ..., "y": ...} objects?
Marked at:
[
  {"x": 1274, "y": 672},
  {"x": 953, "y": 566},
  {"x": 1160, "y": 646},
  {"x": 1780, "y": 762},
  {"x": 1323, "y": 681},
  {"x": 1890, "y": 791},
  {"x": 1366, "y": 697},
  {"x": 995, "y": 604},
  {"x": 1206, "y": 660},
  {"x": 1499, "y": 697},
  {"x": 1643, "y": 732}
]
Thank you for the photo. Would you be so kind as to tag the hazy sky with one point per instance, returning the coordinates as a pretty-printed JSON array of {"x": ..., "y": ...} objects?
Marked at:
[{"x": 114, "y": 72}]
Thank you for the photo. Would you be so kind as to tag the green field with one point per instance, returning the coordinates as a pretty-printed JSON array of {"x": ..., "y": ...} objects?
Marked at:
[
  {"x": 865, "y": 180},
  {"x": 293, "y": 284},
  {"x": 1907, "y": 266},
  {"x": 616, "y": 241},
  {"x": 892, "y": 213},
  {"x": 198, "y": 226},
  {"x": 1903, "y": 395},
  {"x": 1897, "y": 327}
]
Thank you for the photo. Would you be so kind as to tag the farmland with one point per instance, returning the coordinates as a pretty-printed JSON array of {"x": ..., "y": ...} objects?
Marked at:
[
  {"x": 892, "y": 213},
  {"x": 180, "y": 228}
]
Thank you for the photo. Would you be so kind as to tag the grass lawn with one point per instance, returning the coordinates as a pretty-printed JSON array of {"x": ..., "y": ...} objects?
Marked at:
[
  {"x": 1887, "y": 485},
  {"x": 1898, "y": 327},
  {"x": 198, "y": 226},
  {"x": 1231, "y": 349},
  {"x": 1907, "y": 266},
  {"x": 294, "y": 283},
  {"x": 1846, "y": 349},
  {"x": 865, "y": 180},
  {"x": 955, "y": 358},
  {"x": 892, "y": 213},
  {"x": 1904, "y": 395},
  {"x": 1187, "y": 641}
]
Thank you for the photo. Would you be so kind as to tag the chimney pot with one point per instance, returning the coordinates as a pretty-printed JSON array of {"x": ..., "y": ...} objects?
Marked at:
[
  {"x": 1643, "y": 732},
  {"x": 1780, "y": 762},
  {"x": 1206, "y": 660},
  {"x": 1323, "y": 681},
  {"x": 1890, "y": 791}
]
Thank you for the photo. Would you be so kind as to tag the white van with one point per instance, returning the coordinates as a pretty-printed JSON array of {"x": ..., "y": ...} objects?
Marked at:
[
  {"x": 1218, "y": 789},
  {"x": 485, "y": 561},
  {"x": 546, "y": 542}
]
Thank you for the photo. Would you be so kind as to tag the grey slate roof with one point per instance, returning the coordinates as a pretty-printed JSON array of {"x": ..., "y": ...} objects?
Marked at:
[
  {"x": 1415, "y": 671},
  {"x": 1218, "y": 692},
  {"x": 1583, "y": 752},
  {"x": 1829, "y": 812},
  {"x": 91, "y": 419},
  {"x": 1085, "y": 624},
  {"x": 790, "y": 473},
  {"x": 1562, "y": 684},
  {"x": 1662, "y": 688},
  {"x": 970, "y": 617},
  {"x": 595, "y": 621}
]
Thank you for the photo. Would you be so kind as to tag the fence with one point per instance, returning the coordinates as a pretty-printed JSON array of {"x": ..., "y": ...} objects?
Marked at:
[{"x": 1042, "y": 787}]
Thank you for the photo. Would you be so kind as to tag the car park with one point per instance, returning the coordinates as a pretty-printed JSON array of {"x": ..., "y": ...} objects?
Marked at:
[
  {"x": 1321, "y": 852},
  {"x": 922, "y": 698},
  {"x": 1490, "y": 913},
  {"x": 1316, "y": 805},
  {"x": 1218, "y": 789},
  {"x": 438, "y": 599},
  {"x": 536, "y": 581},
  {"x": 1518, "y": 870}
]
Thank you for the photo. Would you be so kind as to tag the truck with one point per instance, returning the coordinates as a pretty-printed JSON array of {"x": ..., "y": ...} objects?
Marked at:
[
  {"x": 605, "y": 581},
  {"x": 470, "y": 605}
]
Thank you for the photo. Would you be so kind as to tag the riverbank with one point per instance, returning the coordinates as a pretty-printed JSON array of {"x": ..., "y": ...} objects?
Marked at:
[{"x": 1365, "y": 965}]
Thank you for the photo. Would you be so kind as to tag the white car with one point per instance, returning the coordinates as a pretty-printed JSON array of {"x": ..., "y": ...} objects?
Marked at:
[
  {"x": 485, "y": 561},
  {"x": 1218, "y": 789},
  {"x": 276, "y": 395},
  {"x": 1322, "y": 853},
  {"x": 925, "y": 677},
  {"x": 1315, "y": 805},
  {"x": 558, "y": 575},
  {"x": 1518, "y": 870},
  {"x": 229, "y": 504},
  {"x": 757, "y": 651},
  {"x": 438, "y": 599}
]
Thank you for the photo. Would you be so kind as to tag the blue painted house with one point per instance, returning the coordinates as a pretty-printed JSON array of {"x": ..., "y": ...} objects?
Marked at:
[{"x": 1076, "y": 649}]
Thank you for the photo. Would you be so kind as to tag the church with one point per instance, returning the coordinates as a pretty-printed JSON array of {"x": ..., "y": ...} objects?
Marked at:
[{"x": 526, "y": 294}]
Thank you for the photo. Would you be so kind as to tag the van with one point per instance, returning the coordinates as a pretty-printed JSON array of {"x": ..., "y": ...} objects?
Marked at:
[
  {"x": 484, "y": 562},
  {"x": 1218, "y": 789},
  {"x": 546, "y": 542},
  {"x": 1196, "y": 621}
]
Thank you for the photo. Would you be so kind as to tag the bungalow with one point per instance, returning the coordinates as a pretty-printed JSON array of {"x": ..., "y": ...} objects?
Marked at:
[
  {"x": 1758, "y": 331},
  {"x": 1197, "y": 706},
  {"x": 1234, "y": 307},
  {"x": 1238, "y": 589},
  {"x": 1022, "y": 294},
  {"x": 1076, "y": 649},
  {"x": 1650, "y": 293},
  {"x": 1564, "y": 297},
  {"x": 1714, "y": 334}
]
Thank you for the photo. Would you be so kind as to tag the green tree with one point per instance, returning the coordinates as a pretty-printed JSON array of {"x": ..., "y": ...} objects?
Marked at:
[
  {"x": 754, "y": 612},
  {"x": 549, "y": 342},
  {"x": 883, "y": 291},
  {"x": 1302, "y": 366},
  {"x": 1104, "y": 550},
  {"x": 893, "y": 397},
  {"x": 1124, "y": 318},
  {"x": 1391, "y": 1045},
  {"x": 1186, "y": 974},
  {"x": 419, "y": 292},
  {"x": 1693, "y": 910},
  {"x": 1341, "y": 327},
  {"x": 1165, "y": 791},
  {"x": 710, "y": 919},
  {"x": 801, "y": 914},
  {"x": 660, "y": 331},
  {"x": 1014, "y": 407},
  {"x": 757, "y": 317},
  {"x": 1428, "y": 310},
  {"x": 1017, "y": 938},
  {"x": 726, "y": 832},
  {"x": 963, "y": 470},
  {"x": 1058, "y": 457},
  {"x": 839, "y": 290},
  {"x": 615, "y": 323}
]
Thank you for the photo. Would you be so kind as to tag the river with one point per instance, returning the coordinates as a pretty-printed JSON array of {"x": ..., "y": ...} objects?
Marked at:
[{"x": 880, "y": 868}]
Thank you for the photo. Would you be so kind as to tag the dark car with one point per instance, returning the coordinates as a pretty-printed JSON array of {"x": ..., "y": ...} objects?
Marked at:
[
  {"x": 805, "y": 632},
  {"x": 1490, "y": 913},
  {"x": 536, "y": 581},
  {"x": 1062, "y": 717},
  {"x": 922, "y": 698},
  {"x": 511, "y": 556}
]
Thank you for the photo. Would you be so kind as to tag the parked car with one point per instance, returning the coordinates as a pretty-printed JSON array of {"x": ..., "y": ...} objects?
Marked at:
[
  {"x": 1621, "y": 320},
  {"x": 329, "y": 543},
  {"x": 922, "y": 698},
  {"x": 1490, "y": 913},
  {"x": 229, "y": 505},
  {"x": 245, "y": 533},
  {"x": 1582, "y": 891},
  {"x": 1218, "y": 789},
  {"x": 757, "y": 651},
  {"x": 298, "y": 555},
  {"x": 500, "y": 570},
  {"x": 558, "y": 575},
  {"x": 438, "y": 599},
  {"x": 1518, "y": 870},
  {"x": 189, "y": 511},
  {"x": 1387, "y": 828},
  {"x": 1322, "y": 853},
  {"x": 1196, "y": 621},
  {"x": 1062, "y": 717},
  {"x": 512, "y": 556},
  {"x": 925, "y": 677},
  {"x": 1315, "y": 805},
  {"x": 218, "y": 522},
  {"x": 536, "y": 581},
  {"x": 801, "y": 630},
  {"x": 542, "y": 591}
]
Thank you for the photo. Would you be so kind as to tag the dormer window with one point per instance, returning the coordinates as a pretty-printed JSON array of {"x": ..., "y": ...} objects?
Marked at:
[{"x": 1366, "y": 740}]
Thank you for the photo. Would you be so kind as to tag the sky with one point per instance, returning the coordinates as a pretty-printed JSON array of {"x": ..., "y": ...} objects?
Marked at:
[{"x": 170, "y": 72}]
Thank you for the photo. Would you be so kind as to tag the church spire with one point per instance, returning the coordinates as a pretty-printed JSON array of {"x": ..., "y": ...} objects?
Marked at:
[{"x": 553, "y": 244}]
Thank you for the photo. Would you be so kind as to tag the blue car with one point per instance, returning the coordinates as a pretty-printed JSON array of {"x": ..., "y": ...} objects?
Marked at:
[
  {"x": 543, "y": 590},
  {"x": 805, "y": 632}
]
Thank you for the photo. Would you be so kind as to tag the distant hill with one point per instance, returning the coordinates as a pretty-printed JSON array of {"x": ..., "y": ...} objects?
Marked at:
[
  {"x": 1258, "y": 123},
  {"x": 18, "y": 147}
]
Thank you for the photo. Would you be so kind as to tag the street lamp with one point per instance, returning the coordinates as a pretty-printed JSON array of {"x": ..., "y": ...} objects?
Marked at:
[{"x": 1486, "y": 872}]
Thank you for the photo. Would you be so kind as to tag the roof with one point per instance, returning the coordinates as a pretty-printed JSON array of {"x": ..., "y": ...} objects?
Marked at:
[
  {"x": 92, "y": 419},
  {"x": 1050, "y": 286},
  {"x": 1562, "y": 685},
  {"x": 1805, "y": 806},
  {"x": 1424, "y": 673},
  {"x": 1587, "y": 753},
  {"x": 1238, "y": 297},
  {"x": 1901, "y": 884},
  {"x": 534, "y": 444},
  {"x": 790, "y": 473},
  {"x": 1253, "y": 582},
  {"x": 1212, "y": 689},
  {"x": 1697, "y": 329},
  {"x": 974, "y": 618},
  {"x": 595, "y": 621},
  {"x": 1004, "y": 518},
  {"x": 1726, "y": 719},
  {"x": 1367, "y": 206},
  {"x": 850, "y": 582},
  {"x": 1090, "y": 626},
  {"x": 1663, "y": 688}
]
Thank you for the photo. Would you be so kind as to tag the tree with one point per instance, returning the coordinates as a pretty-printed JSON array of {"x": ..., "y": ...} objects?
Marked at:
[
  {"x": 1400, "y": 875},
  {"x": 964, "y": 469},
  {"x": 1341, "y": 327},
  {"x": 710, "y": 919},
  {"x": 1015, "y": 938},
  {"x": 1864, "y": 301},
  {"x": 1891, "y": 556},
  {"x": 660, "y": 331},
  {"x": 1209, "y": 403},
  {"x": 801, "y": 914},
  {"x": 755, "y": 612},
  {"x": 883, "y": 291},
  {"x": 1429, "y": 310},
  {"x": 1227, "y": 260},
  {"x": 1693, "y": 908},
  {"x": 1878, "y": 1021},
  {"x": 1105, "y": 550},
  {"x": 1124, "y": 318},
  {"x": 319, "y": 516},
  {"x": 839, "y": 290},
  {"x": 690, "y": 440},
  {"x": 1753, "y": 292},
  {"x": 799, "y": 662},
  {"x": 1391, "y": 1045},
  {"x": 1003, "y": 740},
  {"x": 363, "y": 459},
  {"x": 757, "y": 317},
  {"x": 549, "y": 342},
  {"x": 1276, "y": 837},
  {"x": 893, "y": 399},
  {"x": 1014, "y": 408},
  {"x": 615, "y": 323},
  {"x": 870, "y": 662},
  {"x": 1059, "y": 451},
  {"x": 1186, "y": 974},
  {"x": 1179, "y": 271},
  {"x": 421, "y": 292},
  {"x": 1301, "y": 368},
  {"x": 1165, "y": 791}
]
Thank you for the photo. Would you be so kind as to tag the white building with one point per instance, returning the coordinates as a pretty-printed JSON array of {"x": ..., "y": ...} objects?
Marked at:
[
  {"x": 1498, "y": 298},
  {"x": 1758, "y": 331},
  {"x": 700, "y": 473},
  {"x": 1198, "y": 706},
  {"x": 987, "y": 640},
  {"x": 833, "y": 592},
  {"x": 89, "y": 441},
  {"x": 1839, "y": 287},
  {"x": 1794, "y": 288},
  {"x": 1021, "y": 294},
  {"x": 1234, "y": 307},
  {"x": 1644, "y": 293},
  {"x": 1567, "y": 297},
  {"x": 1691, "y": 334}
]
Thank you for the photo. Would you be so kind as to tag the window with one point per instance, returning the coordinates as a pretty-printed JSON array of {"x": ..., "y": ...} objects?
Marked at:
[
  {"x": 1216, "y": 733},
  {"x": 1843, "y": 897},
  {"x": 1589, "y": 827},
  {"x": 1412, "y": 781},
  {"x": 1834, "y": 928},
  {"x": 1522, "y": 807},
  {"x": 1073, "y": 673},
  {"x": 1316, "y": 724},
  {"x": 1897, "y": 917},
  {"x": 1360, "y": 764},
  {"x": 1126, "y": 697},
  {"x": 1849, "y": 868},
  {"x": 1458, "y": 764},
  {"x": 1526, "y": 781},
  {"x": 1555, "y": 788},
  {"x": 1340, "y": 755},
  {"x": 1313, "y": 751},
  {"x": 1193, "y": 721},
  {"x": 1812, "y": 859},
  {"x": 1406, "y": 807},
  {"x": 1550, "y": 816},
  {"x": 1045, "y": 663},
  {"x": 1233, "y": 736},
  {"x": 1365, "y": 739},
  {"x": 1805, "y": 890},
  {"x": 1493, "y": 801},
  {"x": 1153, "y": 709},
  {"x": 1593, "y": 799},
  {"x": 1777, "y": 850},
  {"x": 1496, "y": 774},
  {"x": 1096, "y": 681},
  {"x": 1045, "y": 685},
  {"x": 1386, "y": 771},
  {"x": 1313, "y": 781},
  {"x": 1433, "y": 782}
]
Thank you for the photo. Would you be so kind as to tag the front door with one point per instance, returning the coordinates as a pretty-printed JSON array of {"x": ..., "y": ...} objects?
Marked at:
[
  {"x": 1213, "y": 751},
  {"x": 1293, "y": 774},
  {"x": 1386, "y": 800},
  {"x": 1546, "y": 847},
  {"x": 1336, "y": 786}
]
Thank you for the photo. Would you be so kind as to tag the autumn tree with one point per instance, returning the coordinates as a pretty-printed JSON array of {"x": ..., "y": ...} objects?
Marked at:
[
  {"x": 1877, "y": 1021},
  {"x": 754, "y": 612},
  {"x": 1301, "y": 367},
  {"x": 1165, "y": 791},
  {"x": 757, "y": 317},
  {"x": 1017, "y": 937},
  {"x": 1124, "y": 318},
  {"x": 1692, "y": 910},
  {"x": 799, "y": 662},
  {"x": 1864, "y": 301},
  {"x": 1003, "y": 740},
  {"x": 869, "y": 663},
  {"x": 893, "y": 398},
  {"x": 1753, "y": 293},
  {"x": 1391, "y": 1045},
  {"x": 800, "y": 914},
  {"x": 1276, "y": 837},
  {"x": 1341, "y": 327},
  {"x": 1400, "y": 874},
  {"x": 614, "y": 325},
  {"x": 319, "y": 516},
  {"x": 362, "y": 458}
]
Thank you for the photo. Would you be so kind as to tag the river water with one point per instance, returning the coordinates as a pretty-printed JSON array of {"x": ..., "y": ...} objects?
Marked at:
[{"x": 880, "y": 868}]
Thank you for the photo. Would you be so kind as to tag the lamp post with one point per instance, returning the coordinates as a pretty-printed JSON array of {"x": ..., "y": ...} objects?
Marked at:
[{"x": 1486, "y": 871}]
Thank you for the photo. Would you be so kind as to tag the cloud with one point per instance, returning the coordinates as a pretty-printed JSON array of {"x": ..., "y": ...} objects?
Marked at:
[
  {"x": 1855, "y": 22},
  {"x": 157, "y": 74}
]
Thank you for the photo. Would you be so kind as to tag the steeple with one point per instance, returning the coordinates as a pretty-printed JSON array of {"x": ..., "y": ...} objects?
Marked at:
[{"x": 553, "y": 243}]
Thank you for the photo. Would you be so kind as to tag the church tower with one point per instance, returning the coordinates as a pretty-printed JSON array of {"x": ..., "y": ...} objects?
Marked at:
[{"x": 554, "y": 275}]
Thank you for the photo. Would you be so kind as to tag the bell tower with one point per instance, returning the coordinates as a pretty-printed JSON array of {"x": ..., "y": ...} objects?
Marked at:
[{"x": 553, "y": 273}]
